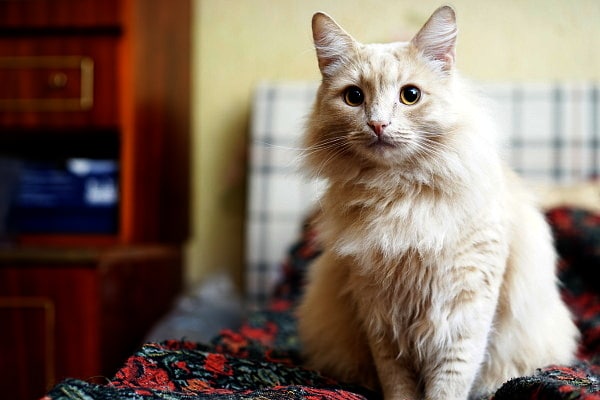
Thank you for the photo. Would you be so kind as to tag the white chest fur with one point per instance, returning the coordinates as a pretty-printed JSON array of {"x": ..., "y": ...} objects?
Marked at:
[{"x": 360, "y": 220}]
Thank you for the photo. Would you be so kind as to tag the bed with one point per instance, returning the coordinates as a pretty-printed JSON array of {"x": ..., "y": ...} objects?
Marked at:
[{"x": 553, "y": 139}]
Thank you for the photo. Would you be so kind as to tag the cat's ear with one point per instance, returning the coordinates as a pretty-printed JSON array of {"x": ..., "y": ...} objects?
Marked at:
[
  {"x": 437, "y": 38},
  {"x": 332, "y": 43}
]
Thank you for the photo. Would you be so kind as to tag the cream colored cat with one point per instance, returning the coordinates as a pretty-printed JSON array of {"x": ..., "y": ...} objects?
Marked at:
[{"x": 437, "y": 280}]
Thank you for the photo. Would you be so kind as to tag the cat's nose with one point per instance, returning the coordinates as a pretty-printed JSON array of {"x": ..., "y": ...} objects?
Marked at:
[{"x": 378, "y": 126}]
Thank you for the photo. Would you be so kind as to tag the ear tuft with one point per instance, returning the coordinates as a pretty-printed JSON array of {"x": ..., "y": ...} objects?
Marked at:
[
  {"x": 437, "y": 38},
  {"x": 331, "y": 42}
]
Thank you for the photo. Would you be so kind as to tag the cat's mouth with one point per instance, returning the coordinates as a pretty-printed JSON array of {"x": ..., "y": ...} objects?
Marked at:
[
  {"x": 382, "y": 149},
  {"x": 381, "y": 142}
]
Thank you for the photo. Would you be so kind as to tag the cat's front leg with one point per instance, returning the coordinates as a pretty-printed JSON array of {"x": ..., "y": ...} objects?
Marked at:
[
  {"x": 463, "y": 325},
  {"x": 451, "y": 376},
  {"x": 397, "y": 376}
]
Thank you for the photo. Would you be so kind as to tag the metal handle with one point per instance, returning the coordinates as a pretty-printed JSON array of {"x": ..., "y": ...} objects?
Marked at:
[{"x": 57, "y": 80}]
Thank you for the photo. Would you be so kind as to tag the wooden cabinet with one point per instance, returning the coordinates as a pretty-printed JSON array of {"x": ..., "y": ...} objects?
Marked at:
[
  {"x": 104, "y": 78},
  {"x": 98, "y": 80},
  {"x": 78, "y": 312}
]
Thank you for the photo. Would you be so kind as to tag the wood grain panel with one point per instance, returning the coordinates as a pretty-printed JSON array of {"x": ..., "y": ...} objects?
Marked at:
[
  {"x": 28, "y": 348},
  {"x": 31, "y": 14},
  {"x": 155, "y": 67}
]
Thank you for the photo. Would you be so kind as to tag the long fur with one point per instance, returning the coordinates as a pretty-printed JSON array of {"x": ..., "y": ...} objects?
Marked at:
[{"x": 438, "y": 275}]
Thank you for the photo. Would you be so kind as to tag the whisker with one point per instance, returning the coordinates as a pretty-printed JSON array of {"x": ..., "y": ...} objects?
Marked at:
[
  {"x": 330, "y": 143},
  {"x": 280, "y": 147},
  {"x": 336, "y": 153},
  {"x": 421, "y": 144}
]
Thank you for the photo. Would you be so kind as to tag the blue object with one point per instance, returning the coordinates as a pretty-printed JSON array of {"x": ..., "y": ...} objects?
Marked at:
[{"x": 74, "y": 196}]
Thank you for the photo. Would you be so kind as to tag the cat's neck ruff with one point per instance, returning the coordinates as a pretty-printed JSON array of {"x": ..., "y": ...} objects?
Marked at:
[
  {"x": 391, "y": 212},
  {"x": 403, "y": 181},
  {"x": 419, "y": 222}
]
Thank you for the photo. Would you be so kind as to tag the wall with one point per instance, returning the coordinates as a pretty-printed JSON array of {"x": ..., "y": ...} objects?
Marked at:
[{"x": 240, "y": 42}]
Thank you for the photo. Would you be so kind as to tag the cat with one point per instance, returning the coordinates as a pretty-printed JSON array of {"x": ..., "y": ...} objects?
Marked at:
[{"x": 437, "y": 279}]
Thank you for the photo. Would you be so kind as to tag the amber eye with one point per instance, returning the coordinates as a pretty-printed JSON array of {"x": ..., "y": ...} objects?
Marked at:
[
  {"x": 353, "y": 96},
  {"x": 410, "y": 94}
]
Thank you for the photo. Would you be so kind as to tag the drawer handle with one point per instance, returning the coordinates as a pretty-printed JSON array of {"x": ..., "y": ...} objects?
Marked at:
[{"x": 58, "y": 80}]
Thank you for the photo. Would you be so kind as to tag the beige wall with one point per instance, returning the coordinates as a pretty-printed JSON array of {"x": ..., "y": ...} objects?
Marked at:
[{"x": 240, "y": 42}]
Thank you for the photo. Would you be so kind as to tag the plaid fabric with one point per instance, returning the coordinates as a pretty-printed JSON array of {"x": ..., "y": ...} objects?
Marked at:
[
  {"x": 553, "y": 130},
  {"x": 278, "y": 195},
  {"x": 553, "y": 135}
]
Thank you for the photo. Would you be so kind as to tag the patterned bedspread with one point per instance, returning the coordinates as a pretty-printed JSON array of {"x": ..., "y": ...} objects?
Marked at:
[{"x": 261, "y": 359}]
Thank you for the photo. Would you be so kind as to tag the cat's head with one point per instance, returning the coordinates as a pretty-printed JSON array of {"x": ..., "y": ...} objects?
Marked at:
[{"x": 392, "y": 105}]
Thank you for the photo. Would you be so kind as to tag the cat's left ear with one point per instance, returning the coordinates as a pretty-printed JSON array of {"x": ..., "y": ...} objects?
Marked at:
[{"x": 437, "y": 38}]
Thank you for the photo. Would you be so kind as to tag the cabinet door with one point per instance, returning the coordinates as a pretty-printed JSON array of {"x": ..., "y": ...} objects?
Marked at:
[
  {"x": 27, "y": 348},
  {"x": 49, "y": 316}
]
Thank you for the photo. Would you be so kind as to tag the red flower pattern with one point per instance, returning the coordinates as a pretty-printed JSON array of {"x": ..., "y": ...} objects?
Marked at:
[{"x": 217, "y": 364}]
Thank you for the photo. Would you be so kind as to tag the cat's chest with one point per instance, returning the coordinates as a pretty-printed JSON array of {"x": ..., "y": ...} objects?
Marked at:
[{"x": 393, "y": 225}]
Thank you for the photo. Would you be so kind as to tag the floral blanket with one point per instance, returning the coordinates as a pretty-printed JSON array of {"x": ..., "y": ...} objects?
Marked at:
[{"x": 261, "y": 359}]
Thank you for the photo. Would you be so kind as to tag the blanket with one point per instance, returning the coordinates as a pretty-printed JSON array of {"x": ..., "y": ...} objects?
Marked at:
[{"x": 261, "y": 360}]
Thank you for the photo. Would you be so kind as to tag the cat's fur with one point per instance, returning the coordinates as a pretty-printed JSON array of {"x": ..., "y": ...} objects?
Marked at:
[{"x": 438, "y": 275}]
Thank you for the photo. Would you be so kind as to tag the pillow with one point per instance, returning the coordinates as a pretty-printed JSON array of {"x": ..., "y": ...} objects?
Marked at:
[{"x": 585, "y": 196}]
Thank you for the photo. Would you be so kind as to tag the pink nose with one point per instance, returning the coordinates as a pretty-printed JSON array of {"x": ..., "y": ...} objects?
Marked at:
[{"x": 378, "y": 126}]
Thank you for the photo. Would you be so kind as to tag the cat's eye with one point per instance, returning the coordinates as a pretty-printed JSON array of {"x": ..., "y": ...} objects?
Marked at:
[
  {"x": 353, "y": 96},
  {"x": 410, "y": 95}
]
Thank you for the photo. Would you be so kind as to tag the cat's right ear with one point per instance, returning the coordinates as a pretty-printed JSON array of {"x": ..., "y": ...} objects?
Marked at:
[{"x": 332, "y": 43}]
